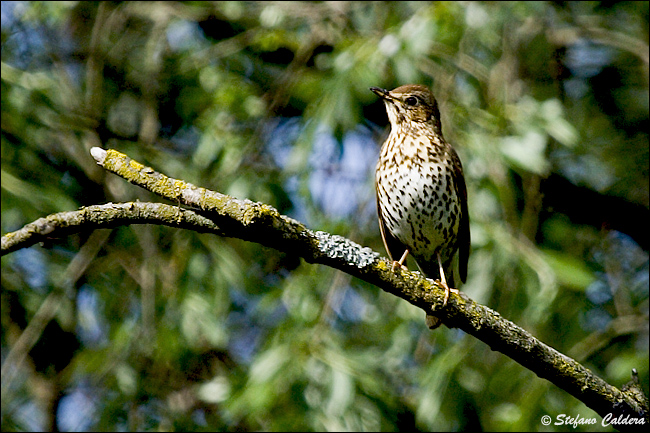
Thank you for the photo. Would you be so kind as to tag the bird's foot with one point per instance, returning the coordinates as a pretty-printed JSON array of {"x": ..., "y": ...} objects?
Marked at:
[
  {"x": 434, "y": 322},
  {"x": 448, "y": 291},
  {"x": 396, "y": 265},
  {"x": 400, "y": 262}
]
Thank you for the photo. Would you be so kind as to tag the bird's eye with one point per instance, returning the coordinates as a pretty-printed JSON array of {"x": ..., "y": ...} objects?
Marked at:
[{"x": 411, "y": 100}]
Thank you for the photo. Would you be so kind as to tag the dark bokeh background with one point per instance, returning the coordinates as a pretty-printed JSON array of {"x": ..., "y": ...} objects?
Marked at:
[{"x": 151, "y": 328}]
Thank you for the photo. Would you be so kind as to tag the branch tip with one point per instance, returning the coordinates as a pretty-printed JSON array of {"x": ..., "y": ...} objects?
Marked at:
[{"x": 99, "y": 154}]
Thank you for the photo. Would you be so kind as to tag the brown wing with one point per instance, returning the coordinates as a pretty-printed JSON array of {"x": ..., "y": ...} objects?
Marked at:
[
  {"x": 394, "y": 248},
  {"x": 463, "y": 230}
]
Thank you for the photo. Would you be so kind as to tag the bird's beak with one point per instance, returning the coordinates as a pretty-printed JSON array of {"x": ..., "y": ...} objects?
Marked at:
[{"x": 383, "y": 93}]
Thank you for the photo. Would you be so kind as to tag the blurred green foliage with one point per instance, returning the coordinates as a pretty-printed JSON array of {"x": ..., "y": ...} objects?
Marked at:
[{"x": 161, "y": 329}]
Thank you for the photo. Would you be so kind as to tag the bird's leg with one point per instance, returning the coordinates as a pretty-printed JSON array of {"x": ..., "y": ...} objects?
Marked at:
[
  {"x": 443, "y": 283},
  {"x": 401, "y": 261}
]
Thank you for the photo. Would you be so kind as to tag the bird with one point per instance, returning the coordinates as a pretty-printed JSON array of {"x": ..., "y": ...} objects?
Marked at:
[{"x": 421, "y": 191}]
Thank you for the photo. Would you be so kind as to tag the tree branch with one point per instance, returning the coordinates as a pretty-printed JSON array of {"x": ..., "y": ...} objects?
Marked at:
[{"x": 226, "y": 216}]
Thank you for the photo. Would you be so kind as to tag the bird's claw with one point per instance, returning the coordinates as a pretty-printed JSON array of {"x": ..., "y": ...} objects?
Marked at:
[
  {"x": 396, "y": 265},
  {"x": 448, "y": 291}
]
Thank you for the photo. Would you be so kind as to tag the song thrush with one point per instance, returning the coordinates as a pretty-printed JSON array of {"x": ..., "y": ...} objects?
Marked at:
[{"x": 421, "y": 193}]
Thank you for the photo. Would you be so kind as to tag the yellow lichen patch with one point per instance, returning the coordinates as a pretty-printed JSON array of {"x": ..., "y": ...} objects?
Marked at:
[{"x": 135, "y": 165}]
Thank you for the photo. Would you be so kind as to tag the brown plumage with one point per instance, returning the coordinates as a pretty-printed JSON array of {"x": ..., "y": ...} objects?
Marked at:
[{"x": 421, "y": 192}]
